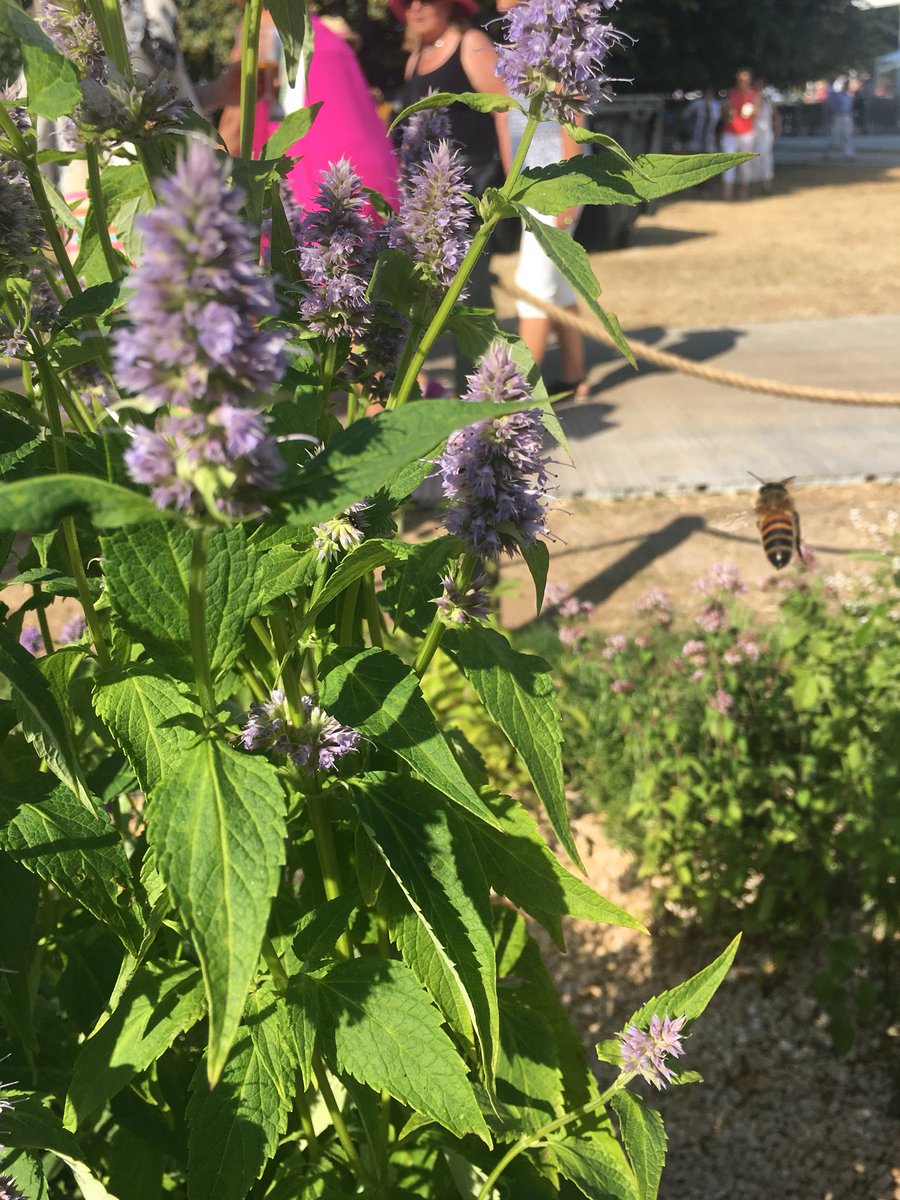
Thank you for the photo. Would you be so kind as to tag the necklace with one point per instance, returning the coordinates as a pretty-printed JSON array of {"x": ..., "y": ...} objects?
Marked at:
[{"x": 435, "y": 45}]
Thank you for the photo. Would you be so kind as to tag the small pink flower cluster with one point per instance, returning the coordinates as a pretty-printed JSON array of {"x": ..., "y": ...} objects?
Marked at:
[
  {"x": 622, "y": 687},
  {"x": 712, "y": 617},
  {"x": 659, "y": 604},
  {"x": 722, "y": 702},
  {"x": 745, "y": 648},
  {"x": 723, "y": 577},
  {"x": 615, "y": 645},
  {"x": 571, "y": 611}
]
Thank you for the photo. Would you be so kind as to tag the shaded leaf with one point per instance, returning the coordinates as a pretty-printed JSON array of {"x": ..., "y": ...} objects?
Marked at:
[
  {"x": 295, "y": 126},
  {"x": 480, "y": 101},
  {"x": 597, "y": 1165},
  {"x": 39, "y": 505},
  {"x": 642, "y": 1132}
]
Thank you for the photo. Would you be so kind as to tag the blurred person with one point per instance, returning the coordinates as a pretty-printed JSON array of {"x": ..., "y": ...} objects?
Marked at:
[
  {"x": 347, "y": 125},
  {"x": 536, "y": 273},
  {"x": 738, "y": 131},
  {"x": 449, "y": 55},
  {"x": 700, "y": 122},
  {"x": 768, "y": 128},
  {"x": 839, "y": 106}
]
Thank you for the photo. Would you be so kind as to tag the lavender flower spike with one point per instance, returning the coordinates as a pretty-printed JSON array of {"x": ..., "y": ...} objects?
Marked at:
[
  {"x": 317, "y": 744},
  {"x": 556, "y": 49},
  {"x": 433, "y": 225},
  {"x": 645, "y": 1053},
  {"x": 197, "y": 298},
  {"x": 459, "y": 608},
  {"x": 493, "y": 472}
]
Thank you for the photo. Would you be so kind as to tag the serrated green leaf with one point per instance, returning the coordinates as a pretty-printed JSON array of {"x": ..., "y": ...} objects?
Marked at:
[
  {"x": 51, "y": 79},
  {"x": 47, "y": 830},
  {"x": 39, "y": 505},
  {"x": 150, "y": 720},
  {"x": 282, "y": 570},
  {"x": 296, "y": 32},
  {"x": 92, "y": 302},
  {"x": 18, "y": 441},
  {"x": 147, "y": 574},
  {"x": 357, "y": 562},
  {"x": 370, "y": 453},
  {"x": 412, "y": 584},
  {"x": 42, "y": 722},
  {"x": 529, "y": 1081},
  {"x": 537, "y": 559},
  {"x": 644, "y": 1138},
  {"x": 596, "y": 1164},
  {"x": 690, "y": 998},
  {"x": 162, "y": 1001},
  {"x": 28, "y": 1126},
  {"x": 521, "y": 866},
  {"x": 377, "y": 693},
  {"x": 432, "y": 857},
  {"x": 26, "y": 1170},
  {"x": 377, "y": 1025},
  {"x": 604, "y": 179},
  {"x": 217, "y": 826},
  {"x": 572, "y": 260},
  {"x": 480, "y": 101},
  {"x": 519, "y": 693},
  {"x": 234, "y": 1129},
  {"x": 295, "y": 126},
  {"x": 302, "y": 1002},
  {"x": 318, "y": 931}
]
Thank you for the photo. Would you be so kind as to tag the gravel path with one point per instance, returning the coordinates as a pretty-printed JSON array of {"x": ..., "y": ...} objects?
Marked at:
[{"x": 780, "y": 1116}]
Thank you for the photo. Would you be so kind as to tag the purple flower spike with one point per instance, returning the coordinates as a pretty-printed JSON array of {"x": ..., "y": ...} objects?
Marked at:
[
  {"x": 493, "y": 472},
  {"x": 197, "y": 298},
  {"x": 316, "y": 745},
  {"x": 433, "y": 225},
  {"x": 72, "y": 29},
  {"x": 420, "y": 131},
  {"x": 556, "y": 49},
  {"x": 32, "y": 639},
  {"x": 459, "y": 608},
  {"x": 645, "y": 1053},
  {"x": 338, "y": 247},
  {"x": 21, "y": 231}
]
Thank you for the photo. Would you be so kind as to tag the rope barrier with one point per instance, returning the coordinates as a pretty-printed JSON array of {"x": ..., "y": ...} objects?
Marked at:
[{"x": 592, "y": 328}]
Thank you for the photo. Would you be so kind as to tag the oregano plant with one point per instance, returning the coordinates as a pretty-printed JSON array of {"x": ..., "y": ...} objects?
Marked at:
[{"x": 265, "y": 919}]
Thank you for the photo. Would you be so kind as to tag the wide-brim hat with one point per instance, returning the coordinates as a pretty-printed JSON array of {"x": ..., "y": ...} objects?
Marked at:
[{"x": 462, "y": 8}]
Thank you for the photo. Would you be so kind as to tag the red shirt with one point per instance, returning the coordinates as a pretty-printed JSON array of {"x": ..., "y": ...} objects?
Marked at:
[{"x": 737, "y": 123}]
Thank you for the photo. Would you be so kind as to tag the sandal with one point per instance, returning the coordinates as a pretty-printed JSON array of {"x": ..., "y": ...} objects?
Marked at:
[{"x": 565, "y": 389}]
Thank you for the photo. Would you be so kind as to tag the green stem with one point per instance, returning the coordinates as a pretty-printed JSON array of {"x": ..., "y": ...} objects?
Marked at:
[
  {"x": 432, "y": 641},
  {"x": 249, "y": 65},
  {"x": 70, "y": 535},
  {"x": 337, "y": 1118},
  {"x": 329, "y": 368},
  {"x": 373, "y": 612},
  {"x": 328, "y": 862},
  {"x": 197, "y": 617},
  {"x": 531, "y": 1139},
  {"x": 275, "y": 965},
  {"x": 417, "y": 326},
  {"x": 301, "y": 1108},
  {"x": 348, "y": 614},
  {"x": 108, "y": 18},
  {"x": 101, "y": 220},
  {"x": 478, "y": 244},
  {"x": 42, "y": 619}
]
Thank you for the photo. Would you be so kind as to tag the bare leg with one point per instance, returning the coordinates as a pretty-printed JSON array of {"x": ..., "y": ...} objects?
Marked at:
[
  {"x": 571, "y": 350},
  {"x": 535, "y": 333}
]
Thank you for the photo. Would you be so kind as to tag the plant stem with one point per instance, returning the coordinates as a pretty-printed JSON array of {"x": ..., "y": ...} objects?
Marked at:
[
  {"x": 70, "y": 534},
  {"x": 538, "y": 1135},
  {"x": 197, "y": 618},
  {"x": 42, "y": 619},
  {"x": 417, "y": 325},
  {"x": 477, "y": 246},
  {"x": 108, "y": 19},
  {"x": 432, "y": 641},
  {"x": 348, "y": 614},
  {"x": 275, "y": 965},
  {"x": 249, "y": 64},
  {"x": 101, "y": 220},
  {"x": 373, "y": 612},
  {"x": 328, "y": 862},
  {"x": 337, "y": 1118}
]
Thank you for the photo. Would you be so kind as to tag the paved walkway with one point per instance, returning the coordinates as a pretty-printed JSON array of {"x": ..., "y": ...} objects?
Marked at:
[{"x": 658, "y": 431}]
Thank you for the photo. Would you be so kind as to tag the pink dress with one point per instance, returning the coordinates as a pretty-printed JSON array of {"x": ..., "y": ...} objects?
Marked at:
[{"x": 347, "y": 124}]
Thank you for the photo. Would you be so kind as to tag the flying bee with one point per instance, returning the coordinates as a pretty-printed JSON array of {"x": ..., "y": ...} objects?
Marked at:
[{"x": 778, "y": 522}]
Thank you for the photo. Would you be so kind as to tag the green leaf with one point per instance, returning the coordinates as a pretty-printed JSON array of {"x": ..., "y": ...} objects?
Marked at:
[
  {"x": 92, "y": 302},
  {"x": 690, "y": 998},
  {"x": 147, "y": 574},
  {"x": 21, "y": 893},
  {"x": 296, "y": 32},
  {"x": 603, "y": 179},
  {"x": 235, "y": 1128},
  {"x": 281, "y": 571},
  {"x": 584, "y": 136},
  {"x": 431, "y": 855},
  {"x": 480, "y": 101},
  {"x": 28, "y": 1126},
  {"x": 537, "y": 559},
  {"x": 519, "y": 693},
  {"x": 371, "y": 452},
  {"x": 295, "y": 125},
  {"x": 161, "y": 1002},
  {"x": 572, "y": 260},
  {"x": 521, "y": 866},
  {"x": 217, "y": 826},
  {"x": 42, "y": 721},
  {"x": 39, "y": 505},
  {"x": 644, "y": 1137},
  {"x": 46, "y": 830},
  {"x": 597, "y": 1165},
  {"x": 376, "y": 1024},
  {"x": 150, "y": 719},
  {"x": 52, "y": 81},
  {"x": 377, "y": 693},
  {"x": 356, "y": 563},
  {"x": 529, "y": 1081},
  {"x": 18, "y": 441},
  {"x": 319, "y": 930},
  {"x": 412, "y": 584}
]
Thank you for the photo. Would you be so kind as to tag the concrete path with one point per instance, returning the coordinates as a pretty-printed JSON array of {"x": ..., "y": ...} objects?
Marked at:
[{"x": 657, "y": 431}]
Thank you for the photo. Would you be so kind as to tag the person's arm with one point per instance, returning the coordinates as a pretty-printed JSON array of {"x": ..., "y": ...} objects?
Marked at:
[{"x": 479, "y": 58}]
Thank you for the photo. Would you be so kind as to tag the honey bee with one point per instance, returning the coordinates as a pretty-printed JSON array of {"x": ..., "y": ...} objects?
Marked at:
[{"x": 778, "y": 522}]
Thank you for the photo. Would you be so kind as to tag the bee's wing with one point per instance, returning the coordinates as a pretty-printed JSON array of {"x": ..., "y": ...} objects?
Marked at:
[{"x": 731, "y": 520}]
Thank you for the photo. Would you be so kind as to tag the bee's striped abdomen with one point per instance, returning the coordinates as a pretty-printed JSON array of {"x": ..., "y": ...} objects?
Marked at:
[{"x": 778, "y": 538}]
